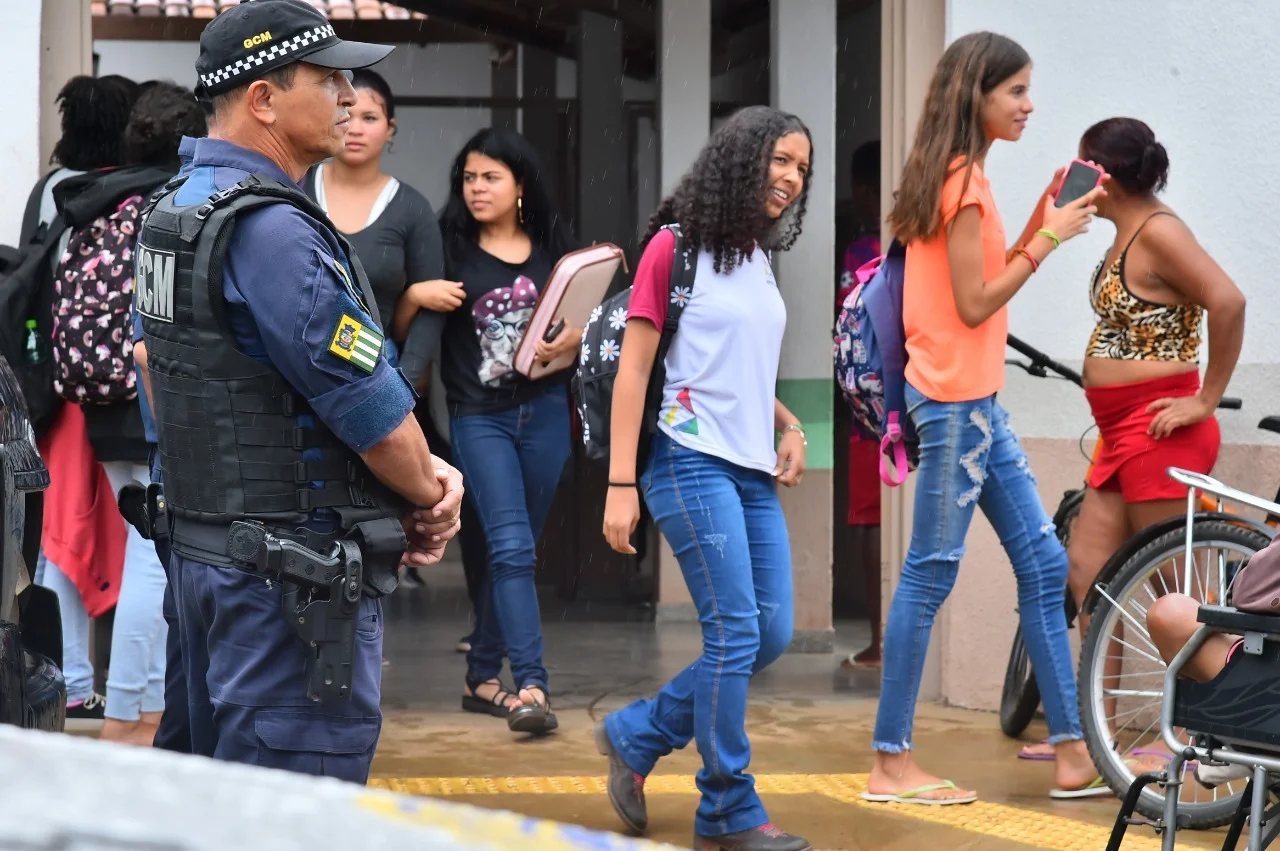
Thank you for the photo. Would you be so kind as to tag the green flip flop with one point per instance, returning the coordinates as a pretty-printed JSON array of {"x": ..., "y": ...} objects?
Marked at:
[
  {"x": 1097, "y": 788},
  {"x": 912, "y": 796}
]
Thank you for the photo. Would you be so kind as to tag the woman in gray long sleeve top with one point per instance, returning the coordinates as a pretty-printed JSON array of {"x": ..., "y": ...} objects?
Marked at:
[{"x": 394, "y": 232}]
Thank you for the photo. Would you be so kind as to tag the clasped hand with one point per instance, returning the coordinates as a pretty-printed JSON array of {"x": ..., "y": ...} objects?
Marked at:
[{"x": 430, "y": 529}]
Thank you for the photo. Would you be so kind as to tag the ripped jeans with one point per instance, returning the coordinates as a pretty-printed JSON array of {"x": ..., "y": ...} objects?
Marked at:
[
  {"x": 970, "y": 458},
  {"x": 725, "y": 525}
]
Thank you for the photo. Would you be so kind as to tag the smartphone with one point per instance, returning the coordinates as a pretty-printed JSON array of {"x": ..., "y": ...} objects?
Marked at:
[
  {"x": 1081, "y": 179},
  {"x": 553, "y": 332}
]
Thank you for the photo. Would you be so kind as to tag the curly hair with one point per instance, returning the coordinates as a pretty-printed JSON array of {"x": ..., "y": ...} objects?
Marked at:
[
  {"x": 164, "y": 113},
  {"x": 720, "y": 202},
  {"x": 94, "y": 112}
]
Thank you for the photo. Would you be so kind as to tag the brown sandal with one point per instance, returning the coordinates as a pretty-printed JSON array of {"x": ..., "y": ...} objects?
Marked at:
[{"x": 496, "y": 706}]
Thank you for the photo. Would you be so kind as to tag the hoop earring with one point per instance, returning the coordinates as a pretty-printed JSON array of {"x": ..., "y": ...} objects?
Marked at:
[
  {"x": 520, "y": 209},
  {"x": 391, "y": 146}
]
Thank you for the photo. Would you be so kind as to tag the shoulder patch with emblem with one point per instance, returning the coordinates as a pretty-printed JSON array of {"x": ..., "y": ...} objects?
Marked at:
[{"x": 357, "y": 343}]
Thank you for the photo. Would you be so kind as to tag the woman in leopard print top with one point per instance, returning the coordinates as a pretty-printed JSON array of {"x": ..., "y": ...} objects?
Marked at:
[{"x": 1150, "y": 293}]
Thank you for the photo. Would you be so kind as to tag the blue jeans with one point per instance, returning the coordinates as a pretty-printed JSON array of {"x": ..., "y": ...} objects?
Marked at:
[
  {"x": 135, "y": 683},
  {"x": 970, "y": 458},
  {"x": 727, "y": 530},
  {"x": 511, "y": 462},
  {"x": 77, "y": 668}
]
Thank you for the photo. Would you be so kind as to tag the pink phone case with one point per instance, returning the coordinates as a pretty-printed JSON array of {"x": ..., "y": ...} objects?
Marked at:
[
  {"x": 576, "y": 287},
  {"x": 1071, "y": 165}
]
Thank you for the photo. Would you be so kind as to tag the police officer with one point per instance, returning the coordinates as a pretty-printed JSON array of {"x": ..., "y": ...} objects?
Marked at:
[{"x": 281, "y": 423}]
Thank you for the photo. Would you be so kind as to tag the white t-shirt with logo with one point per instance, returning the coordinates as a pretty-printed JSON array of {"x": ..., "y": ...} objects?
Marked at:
[{"x": 722, "y": 366}]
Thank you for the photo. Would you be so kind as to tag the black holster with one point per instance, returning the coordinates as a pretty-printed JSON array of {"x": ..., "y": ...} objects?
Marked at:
[
  {"x": 382, "y": 544},
  {"x": 143, "y": 508},
  {"x": 321, "y": 599}
]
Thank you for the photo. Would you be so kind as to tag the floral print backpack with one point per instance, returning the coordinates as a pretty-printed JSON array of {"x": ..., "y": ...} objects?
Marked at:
[
  {"x": 592, "y": 384},
  {"x": 93, "y": 310}
]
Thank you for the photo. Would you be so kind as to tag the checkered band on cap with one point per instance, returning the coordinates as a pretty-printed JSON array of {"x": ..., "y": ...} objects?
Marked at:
[{"x": 268, "y": 55}]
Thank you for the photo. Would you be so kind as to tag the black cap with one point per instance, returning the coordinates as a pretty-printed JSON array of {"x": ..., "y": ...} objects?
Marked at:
[{"x": 247, "y": 41}]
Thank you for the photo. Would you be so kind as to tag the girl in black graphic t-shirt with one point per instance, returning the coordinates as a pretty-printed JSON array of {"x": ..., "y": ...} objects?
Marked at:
[{"x": 510, "y": 435}]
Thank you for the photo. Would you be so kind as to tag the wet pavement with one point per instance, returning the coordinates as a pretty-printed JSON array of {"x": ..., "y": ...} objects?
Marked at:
[{"x": 810, "y": 724}]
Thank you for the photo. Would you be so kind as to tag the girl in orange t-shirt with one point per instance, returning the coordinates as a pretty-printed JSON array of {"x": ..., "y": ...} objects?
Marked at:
[{"x": 959, "y": 277}]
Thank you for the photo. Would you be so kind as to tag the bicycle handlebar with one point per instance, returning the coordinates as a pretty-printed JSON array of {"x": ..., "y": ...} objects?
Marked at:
[{"x": 1042, "y": 364}]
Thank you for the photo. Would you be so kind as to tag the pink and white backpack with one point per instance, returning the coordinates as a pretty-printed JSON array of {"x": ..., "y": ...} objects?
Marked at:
[{"x": 93, "y": 310}]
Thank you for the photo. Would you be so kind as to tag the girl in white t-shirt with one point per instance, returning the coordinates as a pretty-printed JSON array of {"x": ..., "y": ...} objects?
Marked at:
[{"x": 709, "y": 478}]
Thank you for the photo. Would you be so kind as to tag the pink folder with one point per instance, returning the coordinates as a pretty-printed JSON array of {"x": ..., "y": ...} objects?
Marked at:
[{"x": 577, "y": 285}]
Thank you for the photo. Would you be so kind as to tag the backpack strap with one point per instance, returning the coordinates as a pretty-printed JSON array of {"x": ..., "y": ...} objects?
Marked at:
[
  {"x": 893, "y": 473},
  {"x": 684, "y": 268},
  {"x": 31, "y": 215}
]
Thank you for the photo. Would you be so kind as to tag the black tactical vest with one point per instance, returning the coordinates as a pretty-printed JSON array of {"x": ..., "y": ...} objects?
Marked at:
[{"x": 229, "y": 440}]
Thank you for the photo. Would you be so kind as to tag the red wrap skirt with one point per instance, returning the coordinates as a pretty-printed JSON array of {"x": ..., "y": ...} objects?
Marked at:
[{"x": 1131, "y": 461}]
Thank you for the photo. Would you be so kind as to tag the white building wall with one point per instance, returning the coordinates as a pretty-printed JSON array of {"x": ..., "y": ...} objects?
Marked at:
[
  {"x": 20, "y": 144},
  {"x": 1206, "y": 77}
]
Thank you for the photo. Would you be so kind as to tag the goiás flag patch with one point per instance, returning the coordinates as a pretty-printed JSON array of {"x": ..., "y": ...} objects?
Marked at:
[{"x": 357, "y": 343}]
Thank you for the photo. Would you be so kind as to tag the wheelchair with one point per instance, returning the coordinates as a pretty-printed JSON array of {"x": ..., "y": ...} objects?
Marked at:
[{"x": 1233, "y": 719}]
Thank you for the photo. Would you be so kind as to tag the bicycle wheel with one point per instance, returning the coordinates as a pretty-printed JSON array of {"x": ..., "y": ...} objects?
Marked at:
[
  {"x": 1020, "y": 697},
  {"x": 1120, "y": 707}
]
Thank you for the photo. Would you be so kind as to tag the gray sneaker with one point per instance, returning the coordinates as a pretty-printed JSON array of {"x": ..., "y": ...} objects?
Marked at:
[
  {"x": 766, "y": 837},
  {"x": 626, "y": 787}
]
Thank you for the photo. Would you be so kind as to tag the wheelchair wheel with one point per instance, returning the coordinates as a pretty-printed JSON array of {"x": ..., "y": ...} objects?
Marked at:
[
  {"x": 1020, "y": 697},
  {"x": 1121, "y": 674}
]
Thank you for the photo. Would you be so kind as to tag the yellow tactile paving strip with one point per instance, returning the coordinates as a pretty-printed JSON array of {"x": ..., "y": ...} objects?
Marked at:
[{"x": 1041, "y": 830}]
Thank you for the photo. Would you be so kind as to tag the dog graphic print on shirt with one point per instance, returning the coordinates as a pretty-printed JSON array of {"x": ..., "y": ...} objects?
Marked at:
[{"x": 501, "y": 318}]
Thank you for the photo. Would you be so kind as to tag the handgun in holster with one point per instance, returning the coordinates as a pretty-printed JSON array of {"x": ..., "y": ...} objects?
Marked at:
[
  {"x": 321, "y": 599},
  {"x": 143, "y": 508}
]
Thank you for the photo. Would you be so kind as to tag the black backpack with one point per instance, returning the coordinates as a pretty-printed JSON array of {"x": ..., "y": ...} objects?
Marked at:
[
  {"x": 26, "y": 294},
  {"x": 592, "y": 383}
]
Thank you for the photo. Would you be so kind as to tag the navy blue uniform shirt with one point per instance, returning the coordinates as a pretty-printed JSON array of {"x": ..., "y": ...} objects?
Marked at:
[{"x": 288, "y": 288}]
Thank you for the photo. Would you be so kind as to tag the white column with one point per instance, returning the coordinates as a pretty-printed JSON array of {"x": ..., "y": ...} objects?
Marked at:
[
  {"x": 912, "y": 40},
  {"x": 684, "y": 120},
  {"x": 66, "y": 50},
  {"x": 45, "y": 43},
  {"x": 20, "y": 152},
  {"x": 684, "y": 89},
  {"x": 803, "y": 82}
]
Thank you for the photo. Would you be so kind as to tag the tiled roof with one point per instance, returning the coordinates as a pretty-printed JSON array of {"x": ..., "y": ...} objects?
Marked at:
[{"x": 337, "y": 10}]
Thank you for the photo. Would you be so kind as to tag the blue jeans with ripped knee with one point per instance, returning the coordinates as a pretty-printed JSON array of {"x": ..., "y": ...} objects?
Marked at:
[
  {"x": 970, "y": 458},
  {"x": 726, "y": 528}
]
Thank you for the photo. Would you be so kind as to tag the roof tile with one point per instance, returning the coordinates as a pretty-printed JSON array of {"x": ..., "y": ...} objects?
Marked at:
[{"x": 337, "y": 10}]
